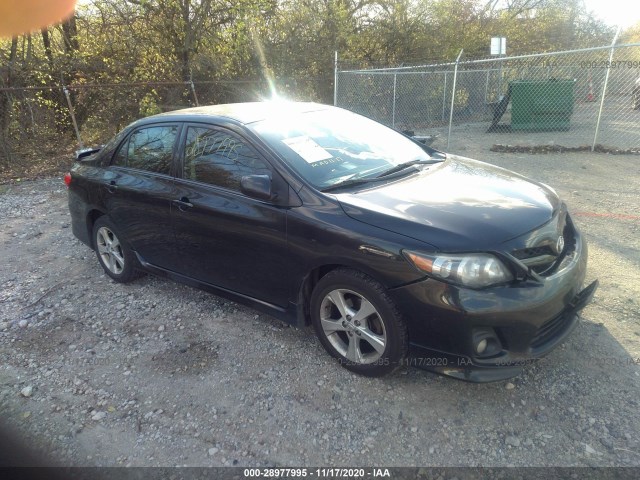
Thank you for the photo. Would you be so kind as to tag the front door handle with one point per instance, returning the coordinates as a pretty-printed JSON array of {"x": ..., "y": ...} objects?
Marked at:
[{"x": 183, "y": 204}]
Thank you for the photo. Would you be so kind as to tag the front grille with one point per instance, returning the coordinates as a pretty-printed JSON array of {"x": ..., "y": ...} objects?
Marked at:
[
  {"x": 527, "y": 253},
  {"x": 550, "y": 330}
]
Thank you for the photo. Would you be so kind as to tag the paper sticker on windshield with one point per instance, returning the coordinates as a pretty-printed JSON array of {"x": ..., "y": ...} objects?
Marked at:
[{"x": 309, "y": 150}]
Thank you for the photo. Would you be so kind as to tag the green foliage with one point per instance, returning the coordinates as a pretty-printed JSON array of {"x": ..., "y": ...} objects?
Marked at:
[
  {"x": 251, "y": 43},
  {"x": 149, "y": 104}
]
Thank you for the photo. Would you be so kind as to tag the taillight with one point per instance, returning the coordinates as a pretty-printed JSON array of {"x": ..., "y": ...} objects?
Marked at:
[{"x": 67, "y": 179}]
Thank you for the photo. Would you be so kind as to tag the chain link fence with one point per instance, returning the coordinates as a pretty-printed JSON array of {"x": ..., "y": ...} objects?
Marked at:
[
  {"x": 37, "y": 122},
  {"x": 581, "y": 99}
]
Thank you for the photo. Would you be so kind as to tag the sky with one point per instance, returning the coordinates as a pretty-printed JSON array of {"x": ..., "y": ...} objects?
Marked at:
[{"x": 616, "y": 12}]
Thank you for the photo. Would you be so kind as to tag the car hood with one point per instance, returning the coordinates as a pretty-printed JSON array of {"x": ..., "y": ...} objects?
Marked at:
[{"x": 461, "y": 204}]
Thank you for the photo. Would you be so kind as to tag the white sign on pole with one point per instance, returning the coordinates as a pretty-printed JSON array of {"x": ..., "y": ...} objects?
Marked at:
[{"x": 498, "y": 46}]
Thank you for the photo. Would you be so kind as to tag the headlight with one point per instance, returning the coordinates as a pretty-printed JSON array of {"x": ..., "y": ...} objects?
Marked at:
[{"x": 473, "y": 270}]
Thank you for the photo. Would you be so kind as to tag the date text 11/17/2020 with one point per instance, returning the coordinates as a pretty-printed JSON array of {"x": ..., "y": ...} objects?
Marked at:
[{"x": 329, "y": 472}]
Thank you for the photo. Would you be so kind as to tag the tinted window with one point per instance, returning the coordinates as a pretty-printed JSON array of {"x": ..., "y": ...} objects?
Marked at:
[
  {"x": 120, "y": 159},
  {"x": 107, "y": 151},
  {"x": 219, "y": 158},
  {"x": 149, "y": 149}
]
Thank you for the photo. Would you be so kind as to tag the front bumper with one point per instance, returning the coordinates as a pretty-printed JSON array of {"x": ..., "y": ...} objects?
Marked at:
[{"x": 529, "y": 319}]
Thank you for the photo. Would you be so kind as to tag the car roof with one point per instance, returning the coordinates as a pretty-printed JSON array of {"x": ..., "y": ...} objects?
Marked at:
[{"x": 244, "y": 113}]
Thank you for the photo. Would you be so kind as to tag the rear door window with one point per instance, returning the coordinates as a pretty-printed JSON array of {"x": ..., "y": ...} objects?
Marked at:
[{"x": 149, "y": 149}]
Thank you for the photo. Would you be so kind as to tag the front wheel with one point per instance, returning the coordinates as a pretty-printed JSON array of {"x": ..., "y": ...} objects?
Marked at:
[{"x": 358, "y": 324}]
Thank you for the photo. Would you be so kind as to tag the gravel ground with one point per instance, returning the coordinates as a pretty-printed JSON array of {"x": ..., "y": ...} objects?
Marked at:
[{"x": 159, "y": 374}]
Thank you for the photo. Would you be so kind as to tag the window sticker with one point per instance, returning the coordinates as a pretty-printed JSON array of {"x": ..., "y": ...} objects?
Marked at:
[{"x": 309, "y": 150}]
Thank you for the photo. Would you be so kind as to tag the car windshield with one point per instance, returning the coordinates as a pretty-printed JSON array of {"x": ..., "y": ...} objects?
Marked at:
[{"x": 328, "y": 147}]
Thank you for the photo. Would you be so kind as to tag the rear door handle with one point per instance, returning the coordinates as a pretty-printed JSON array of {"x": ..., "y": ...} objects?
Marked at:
[
  {"x": 112, "y": 187},
  {"x": 183, "y": 203}
]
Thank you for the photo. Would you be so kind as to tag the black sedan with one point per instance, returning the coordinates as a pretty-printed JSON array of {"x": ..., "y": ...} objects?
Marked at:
[{"x": 396, "y": 253}]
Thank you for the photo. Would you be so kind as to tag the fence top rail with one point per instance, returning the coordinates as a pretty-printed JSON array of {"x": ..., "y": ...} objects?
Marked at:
[
  {"x": 82, "y": 86},
  {"x": 92, "y": 85},
  {"x": 389, "y": 72},
  {"x": 445, "y": 72},
  {"x": 489, "y": 60}
]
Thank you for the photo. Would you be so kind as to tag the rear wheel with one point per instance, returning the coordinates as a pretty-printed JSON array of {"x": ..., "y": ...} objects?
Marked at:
[
  {"x": 358, "y": 323},
  {"x": 115, "y": 256}
]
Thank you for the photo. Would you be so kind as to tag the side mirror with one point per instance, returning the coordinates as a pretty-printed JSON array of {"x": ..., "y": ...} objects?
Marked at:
[{"x": 256, "y": 186}]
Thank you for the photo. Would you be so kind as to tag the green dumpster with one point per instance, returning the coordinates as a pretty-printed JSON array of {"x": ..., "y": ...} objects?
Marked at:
[{"x": 539, "y": 105}]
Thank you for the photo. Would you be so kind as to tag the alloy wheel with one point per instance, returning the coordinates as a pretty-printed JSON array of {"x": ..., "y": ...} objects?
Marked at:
[
  {"x": 353, "y": 326},
  {"x": 110, "y": 250}
]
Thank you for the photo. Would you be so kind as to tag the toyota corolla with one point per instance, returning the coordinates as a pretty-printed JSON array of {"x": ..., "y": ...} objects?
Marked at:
[{"x": 396, "y": 253}]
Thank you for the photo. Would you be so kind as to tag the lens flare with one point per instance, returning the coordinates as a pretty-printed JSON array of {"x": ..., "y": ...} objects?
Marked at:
[{"x": 267, "y": 73}]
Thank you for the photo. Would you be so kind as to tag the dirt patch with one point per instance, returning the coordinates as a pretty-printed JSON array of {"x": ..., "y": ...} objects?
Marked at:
[
  {"x": 542, "y": 149},
  {"x": 190, "y": 358}
]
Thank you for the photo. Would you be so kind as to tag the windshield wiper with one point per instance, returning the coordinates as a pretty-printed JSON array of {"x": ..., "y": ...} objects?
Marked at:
[
  {"x": 404, "y": 165},
  {"x": 379, "y": 178},
  {"x": 351, "y": 183}
]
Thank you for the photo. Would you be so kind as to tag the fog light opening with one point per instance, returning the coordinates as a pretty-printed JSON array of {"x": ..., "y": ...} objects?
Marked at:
[
  {"x": 486, "y": 343},
  {"x": 481, "y": 346}
]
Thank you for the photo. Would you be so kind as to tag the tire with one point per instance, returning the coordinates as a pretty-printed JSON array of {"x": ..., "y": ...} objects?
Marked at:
[
  {"x": 113, "y": 252},
  {"x": 358, "y": 324},
  {"x": 635, "y": 100}
]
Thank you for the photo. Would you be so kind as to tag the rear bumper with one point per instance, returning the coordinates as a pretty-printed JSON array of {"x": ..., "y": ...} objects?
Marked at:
[
  {"x": 527, "y": 320},
  {"x": 78, "y": 211}
]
